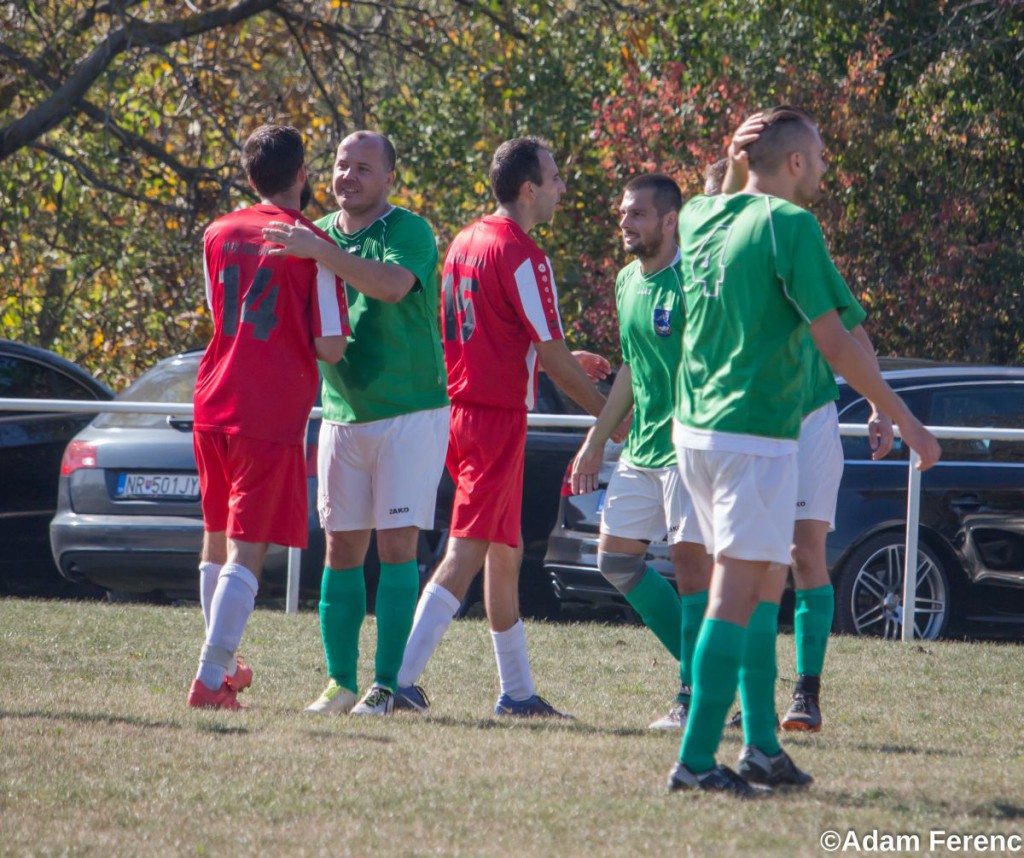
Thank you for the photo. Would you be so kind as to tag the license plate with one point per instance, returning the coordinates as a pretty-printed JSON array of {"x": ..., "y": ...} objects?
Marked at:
[{"x": 177, "y": 486}]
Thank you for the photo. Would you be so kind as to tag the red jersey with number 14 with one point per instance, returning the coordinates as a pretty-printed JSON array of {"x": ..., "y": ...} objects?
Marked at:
[
  {"x": 499, "y": 299},
  {"x": 259, "y": 376}
]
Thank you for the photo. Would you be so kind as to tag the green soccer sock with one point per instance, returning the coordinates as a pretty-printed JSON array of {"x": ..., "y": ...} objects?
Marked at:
[
  {"x": 397, "y": 593},
  {"x": 655, "y": 600},
  {"x": 693, "y": 606},
  {"x": 342, "y": 611},
  {"x": 812, "y": 621},
  {"x": 757, "y": 679},
  {"x": 716, "y": 667}
]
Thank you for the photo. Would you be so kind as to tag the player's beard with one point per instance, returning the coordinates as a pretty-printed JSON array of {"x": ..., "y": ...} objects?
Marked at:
[
  {"x": 305, "y": 195},
  {"x": 646, "y": 249}
]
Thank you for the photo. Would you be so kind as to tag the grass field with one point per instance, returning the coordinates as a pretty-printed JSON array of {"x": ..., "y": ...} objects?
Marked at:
[{"x": 100, "y": 756}]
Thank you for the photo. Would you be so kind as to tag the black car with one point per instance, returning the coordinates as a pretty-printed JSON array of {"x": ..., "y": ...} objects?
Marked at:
[
  {"x": 31, "y": 446},
  {"x": 971, "y": 552},
  {"x": 129, "y": 519}
]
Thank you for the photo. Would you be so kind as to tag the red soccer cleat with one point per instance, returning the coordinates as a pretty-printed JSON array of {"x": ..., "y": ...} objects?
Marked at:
[
  {"x": 201, "y": 697},
  {"x": 242, "y": 677}
]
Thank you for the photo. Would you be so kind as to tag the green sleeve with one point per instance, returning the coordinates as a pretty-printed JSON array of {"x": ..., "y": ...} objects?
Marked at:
[
  {"x": 411, "y": 244},
  {"x": 809, "y": 277}
]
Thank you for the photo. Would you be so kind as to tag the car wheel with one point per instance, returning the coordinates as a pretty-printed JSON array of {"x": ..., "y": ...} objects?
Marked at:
[{"x": 869, "y": 590}]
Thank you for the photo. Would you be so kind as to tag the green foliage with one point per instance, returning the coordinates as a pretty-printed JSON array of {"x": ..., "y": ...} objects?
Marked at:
[{"x": 102, "y": 211}]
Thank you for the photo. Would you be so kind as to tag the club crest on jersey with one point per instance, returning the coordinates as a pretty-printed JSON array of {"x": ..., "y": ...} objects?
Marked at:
[{"x": 662, "y": 321}]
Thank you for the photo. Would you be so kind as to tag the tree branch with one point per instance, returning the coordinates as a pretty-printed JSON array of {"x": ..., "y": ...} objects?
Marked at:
[{"x": 63, "y": 101}]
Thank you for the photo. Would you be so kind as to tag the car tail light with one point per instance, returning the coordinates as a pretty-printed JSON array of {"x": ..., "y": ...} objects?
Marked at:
[
  {"x": 567, "y": 481},
  {"x": 78, "y": 454},
  {"x": 311, "y": 460}
]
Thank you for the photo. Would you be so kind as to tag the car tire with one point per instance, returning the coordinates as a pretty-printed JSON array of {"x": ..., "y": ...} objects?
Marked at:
[{"x": 869, "y": 590}]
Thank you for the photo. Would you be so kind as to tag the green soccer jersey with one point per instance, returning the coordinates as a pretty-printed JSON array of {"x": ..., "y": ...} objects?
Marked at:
[
  {"x": 756, "y": 273},
  {"x": 393, "y": 363},
  {"x": 650, "y": 309}
]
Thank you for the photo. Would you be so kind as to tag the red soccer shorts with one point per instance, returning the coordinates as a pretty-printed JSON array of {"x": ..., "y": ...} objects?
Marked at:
[
  {"x": 486, "y": 450},
  {"x": 253, "y": 490}
]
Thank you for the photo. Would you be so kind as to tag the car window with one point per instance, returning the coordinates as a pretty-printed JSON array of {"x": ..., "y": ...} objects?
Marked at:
[
  {"x": 169, "y": 381},
  {"x": 980, "y": 405},
  {"x": 21, "y": 378}
]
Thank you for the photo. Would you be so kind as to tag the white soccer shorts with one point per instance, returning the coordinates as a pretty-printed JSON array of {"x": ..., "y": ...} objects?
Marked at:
[
  {"x": 382, "y": 474},
  {"x": 649, "y": 504},
  {"x": 819, "y": 466}
]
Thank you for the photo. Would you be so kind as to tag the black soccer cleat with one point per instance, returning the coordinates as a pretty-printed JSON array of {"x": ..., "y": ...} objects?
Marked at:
[
  {"x": 778, "y": 771},
  {"x": 719, "y": 779}
]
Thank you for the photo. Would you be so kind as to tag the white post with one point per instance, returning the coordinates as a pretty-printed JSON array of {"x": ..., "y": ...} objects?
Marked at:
[
  {"x": 291, "y": 604},
  {"x": 291, "y": 601},
  {"x": 910, "y": 557}
]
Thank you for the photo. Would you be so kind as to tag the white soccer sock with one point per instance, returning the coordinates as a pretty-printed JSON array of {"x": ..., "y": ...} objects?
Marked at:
[
  {"x": 513, "y": 662},
  {"x": 434, "y": 613},
  {"x": 208, "y": 573},
  {"x": 230, "y": 609}
]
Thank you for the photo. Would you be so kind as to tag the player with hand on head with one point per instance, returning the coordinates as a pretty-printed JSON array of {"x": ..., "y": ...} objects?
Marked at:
[
  {"x": 756, "y": 277},
  {"x": 820, "y": 470},
  {"x": 273, "y": 316}
]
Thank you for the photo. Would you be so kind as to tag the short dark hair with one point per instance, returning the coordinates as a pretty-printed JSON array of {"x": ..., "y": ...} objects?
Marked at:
[
  {"x": 516, "y": 162},
  {"x": 785, "y": 129},
  {"x": 272, "y": 156},
  {"x": 714, "y": 176},
  {"x": 387, "y": 148},
  {"x": 665, "y": 192}
]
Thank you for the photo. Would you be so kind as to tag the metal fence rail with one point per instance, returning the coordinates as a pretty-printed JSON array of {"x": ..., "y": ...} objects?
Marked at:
[{"x": 576, "y": 421}]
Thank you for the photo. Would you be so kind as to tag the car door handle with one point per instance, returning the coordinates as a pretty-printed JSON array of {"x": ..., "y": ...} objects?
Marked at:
[
  {"x": 966, "y": 501},
  {"x": 181, "y": 424}
]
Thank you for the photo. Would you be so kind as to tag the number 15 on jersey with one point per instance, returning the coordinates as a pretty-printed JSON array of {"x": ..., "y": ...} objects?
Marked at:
[{"x": 458, "y": 302}]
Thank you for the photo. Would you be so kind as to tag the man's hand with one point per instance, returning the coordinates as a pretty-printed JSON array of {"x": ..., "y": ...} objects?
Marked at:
[
  {"x": 295, "y": 239},
  {"x": 880, "y": 434},
  {"x": 586, "y": 467},
  {"x": 920, "y": 440},
  {"x": 596, "y": 367},
  {"x": 739, "y": 159}
]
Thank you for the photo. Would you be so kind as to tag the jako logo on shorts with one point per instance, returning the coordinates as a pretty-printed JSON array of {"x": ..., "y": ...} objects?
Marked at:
[{"x": 398, "y": 510}]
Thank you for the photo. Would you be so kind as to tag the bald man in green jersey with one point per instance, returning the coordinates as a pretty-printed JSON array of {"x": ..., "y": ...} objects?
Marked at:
[
  {"x": 756, "y": 277},
  {"x": 385, "y": 424}
]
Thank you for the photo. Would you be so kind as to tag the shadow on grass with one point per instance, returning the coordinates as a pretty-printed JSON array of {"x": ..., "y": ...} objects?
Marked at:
[
  {"x": 93, "y": 718},
  {"x": 896, "y": 802},
  {"x": 334, "y": 735},
  {"x": 568, "y": 725}
]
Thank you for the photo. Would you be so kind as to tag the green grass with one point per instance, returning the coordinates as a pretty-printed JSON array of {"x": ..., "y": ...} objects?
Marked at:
[{"x": 100, "y": 756}]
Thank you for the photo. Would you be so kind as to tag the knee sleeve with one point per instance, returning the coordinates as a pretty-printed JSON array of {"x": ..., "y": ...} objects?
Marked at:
[{"x": 622, "y": 571}]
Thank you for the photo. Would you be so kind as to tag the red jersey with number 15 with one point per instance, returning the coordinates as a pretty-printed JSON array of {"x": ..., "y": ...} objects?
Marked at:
[
  {"x": 499, "y": 299},
  {"x": 259, "y": 376}
]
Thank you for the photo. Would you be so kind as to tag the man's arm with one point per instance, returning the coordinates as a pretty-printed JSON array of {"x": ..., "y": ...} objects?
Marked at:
[
  {"x": 566, "y": 372},
  {"x": 848, "y": 359},
  {"x": 587, "y": 465},
  {"x": 330, "y": 349},
  {"x": 879, "y": 424},
  {"x": 382, "y": 281},
  {"x": 738, "y": 170}
]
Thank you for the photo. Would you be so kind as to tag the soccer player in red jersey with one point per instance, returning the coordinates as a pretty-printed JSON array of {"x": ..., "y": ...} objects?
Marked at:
[
  {"x": 272, "y": 317},
  {"x": 500, "y": 317}
]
